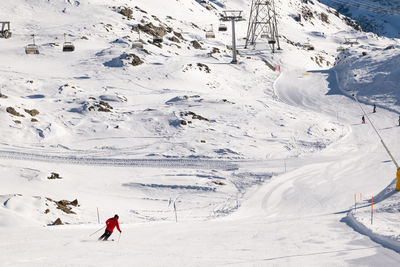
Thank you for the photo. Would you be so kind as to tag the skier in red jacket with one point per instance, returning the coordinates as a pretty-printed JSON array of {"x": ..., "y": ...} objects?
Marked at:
[{"x": 111, "y": 223}]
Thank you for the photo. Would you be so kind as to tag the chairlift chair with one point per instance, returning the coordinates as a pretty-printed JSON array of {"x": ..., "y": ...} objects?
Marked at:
[
  {"x": 222, "y": 27},
  {"x": 5, "y": 29},
  {"x": 265, "y": 35},
  {"x": 137, "y": 43},
  {"x": 68, "y": 46},
  {"x": 308, "y": 46},
  {"x": 32, "y": 48},
  {"x": 210, "y": 33}
]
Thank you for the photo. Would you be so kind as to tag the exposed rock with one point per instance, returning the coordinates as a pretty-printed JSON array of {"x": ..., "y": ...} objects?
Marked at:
[
  {"x": 74, "y": 203},
  {"x": 105, "y": 104},
  {"x": 297, "y": 17},
  {"x": 215, "y": 50},
  {"x": 183, "y": 122},
  {"x": 218, "y": 183},
  {"x": 389, "y": 47},
  {"x": 135, "y": 60},
  {"x": 63, "y": 205},
  {"x": 12, "y": 111},
  {"x": 17, "y": 122},
  {"x": 54, "y": 175},
  {"x": 32, "y": 112},
  {"x": 201, "y": 66},
  {"x": 103, "y": 109},
  {"x": 204, "y": 67},
  {"x": 150, "y": 29},
  {"x": 141, "y": 10},
  {"x": 194, "y": 116},
  {"x": 46, "y": 211},
  {"x": 179, "y": 35},
  {"x": 324, "y": 17},
  {"x": 307, "y": 13},
  {"x": 34, "y": 120},
  {"x": 174, "y": 39},
  {"x": 127, "y": 12},
  {"x": 57, "y": 222},
  {"x": 84, "y": 38},
  {"x": 196, "y": 44}
]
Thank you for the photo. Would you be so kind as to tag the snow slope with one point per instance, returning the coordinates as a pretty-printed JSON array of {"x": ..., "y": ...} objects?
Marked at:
[
  {"x": 262, "y": 166},
  {"x": 379, "y": 16}
]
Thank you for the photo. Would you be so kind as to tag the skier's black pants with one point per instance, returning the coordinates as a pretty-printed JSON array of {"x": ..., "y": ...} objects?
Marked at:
[{"x": 105, "y": 236}]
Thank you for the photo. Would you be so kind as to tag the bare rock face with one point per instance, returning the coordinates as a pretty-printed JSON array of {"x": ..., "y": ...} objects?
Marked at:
[
  {"x": 203, "y": 67},
  {"x": 54, "y": 175},
  {"x": 135, "y": 60},
  {"x": 63, "y": 205},
  {"x": 32, "y": 112},
  {"x": 177, "y": 34},
  {"x": 174, "y": 39},
  {"x": 196, "y": 44},
  {"x": 74, "y": 203},
  {"x": 127, "y": 12},
  {"x": 12, "y": 111},
  {"x": 58, "y": 222},
  {"x": 150, "y": 29}
]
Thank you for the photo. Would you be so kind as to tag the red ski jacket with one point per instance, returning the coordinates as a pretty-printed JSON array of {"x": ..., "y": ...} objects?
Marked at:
[{"x": 111, "y": 223}]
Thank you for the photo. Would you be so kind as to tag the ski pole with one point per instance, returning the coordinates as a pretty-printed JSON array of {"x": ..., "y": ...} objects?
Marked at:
[
  {"x": 97, "y": 230},
  {"x": 119, "y": 236}
]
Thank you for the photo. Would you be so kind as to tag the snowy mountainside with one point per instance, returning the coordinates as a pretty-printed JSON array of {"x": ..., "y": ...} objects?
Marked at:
[
  {"x": 379, "y": 16},
  {"x": 207, "y": 163},
  {"x": 99, "y": 74},
  {"x": 377, "y": 83},
  {"x": 177, "y": 99}
]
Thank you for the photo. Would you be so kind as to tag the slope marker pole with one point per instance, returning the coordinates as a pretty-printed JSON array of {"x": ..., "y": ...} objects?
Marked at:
[
  {"x": 98, "y": 216},
  {"x": 372, "y": 208}
]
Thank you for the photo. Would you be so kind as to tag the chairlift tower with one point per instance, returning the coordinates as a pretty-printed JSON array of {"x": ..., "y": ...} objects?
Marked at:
[
  {"x": 233, "y": 16},
  {"x": 262, "y": 22}
]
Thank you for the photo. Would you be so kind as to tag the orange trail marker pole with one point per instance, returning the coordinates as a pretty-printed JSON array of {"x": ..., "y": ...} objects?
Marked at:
[
  {"x": 372, "y": 208},
  {"x": 355, "y": 201}
]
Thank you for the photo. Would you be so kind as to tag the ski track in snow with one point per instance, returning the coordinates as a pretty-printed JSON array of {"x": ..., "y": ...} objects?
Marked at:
[{"x": 119, "y": 162}]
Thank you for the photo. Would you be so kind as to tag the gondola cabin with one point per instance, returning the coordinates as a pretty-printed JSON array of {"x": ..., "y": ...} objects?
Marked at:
[{"x": 68, "y": 47}]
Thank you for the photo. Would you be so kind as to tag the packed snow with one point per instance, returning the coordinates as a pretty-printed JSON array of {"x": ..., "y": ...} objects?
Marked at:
[{"x": 206, "y": 163}]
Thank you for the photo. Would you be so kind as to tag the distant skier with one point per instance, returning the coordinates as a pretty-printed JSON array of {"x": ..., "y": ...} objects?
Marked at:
[
  {"x": 399, "y": 120},
  {"x": 111, "y": 224},
  {"x": 374, "y": 111},
  {"x": 363, "y": 119}
]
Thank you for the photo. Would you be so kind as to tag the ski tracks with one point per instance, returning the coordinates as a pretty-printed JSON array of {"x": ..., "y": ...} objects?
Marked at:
[{"x": 121, "y": 162}]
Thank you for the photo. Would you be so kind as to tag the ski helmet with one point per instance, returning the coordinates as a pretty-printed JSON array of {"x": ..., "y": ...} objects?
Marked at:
[{"x": 116, "y": 216}]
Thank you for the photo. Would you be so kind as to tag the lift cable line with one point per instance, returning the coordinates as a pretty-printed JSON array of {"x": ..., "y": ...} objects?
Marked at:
[
  {"x": 263, "y": 23},
  {"x": 383, "y": 143},
  {"x": 233, "y": 16}
]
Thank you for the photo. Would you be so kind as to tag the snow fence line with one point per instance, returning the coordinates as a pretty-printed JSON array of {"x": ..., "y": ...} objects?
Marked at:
[{"x": 385, "y": 241}]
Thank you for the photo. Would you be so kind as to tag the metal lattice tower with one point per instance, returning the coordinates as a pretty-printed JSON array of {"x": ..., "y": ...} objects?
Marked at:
[{"x": 263, "y": 23}]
